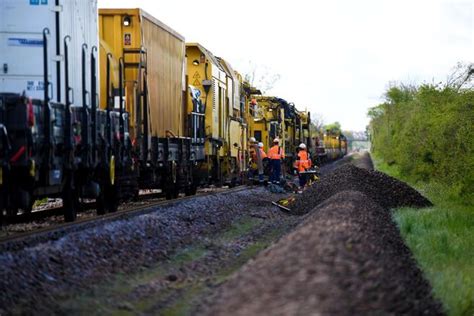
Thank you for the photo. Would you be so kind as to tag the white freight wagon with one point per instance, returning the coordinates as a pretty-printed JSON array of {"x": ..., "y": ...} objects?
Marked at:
[
  {"x": 22, "y": 23},
  {"x": 48, "y": 119}
]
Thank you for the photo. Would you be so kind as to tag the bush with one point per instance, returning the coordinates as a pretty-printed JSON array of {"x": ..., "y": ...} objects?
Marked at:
[{"x": 427, "y": 131}]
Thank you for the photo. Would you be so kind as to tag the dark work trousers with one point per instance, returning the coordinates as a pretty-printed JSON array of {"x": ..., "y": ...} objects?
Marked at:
[
  {"x": 276, "y": 170},
  {"x": 303, "y": 179}
]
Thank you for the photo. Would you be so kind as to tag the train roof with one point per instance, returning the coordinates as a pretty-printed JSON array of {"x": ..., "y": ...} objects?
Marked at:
[
  {"x": 208, "y": 54},
  {"x": 142, "y": 13}
]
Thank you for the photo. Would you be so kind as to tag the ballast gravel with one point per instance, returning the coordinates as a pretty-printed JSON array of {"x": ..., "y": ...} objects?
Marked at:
[
  {"x": 34, "y": 279},
  {"x": 388, "y": 192},
  {"x": 346, "y": 258}
]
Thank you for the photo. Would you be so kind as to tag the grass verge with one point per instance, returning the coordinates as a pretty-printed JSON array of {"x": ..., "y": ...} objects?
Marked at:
[{"x": 442, "y": 240}]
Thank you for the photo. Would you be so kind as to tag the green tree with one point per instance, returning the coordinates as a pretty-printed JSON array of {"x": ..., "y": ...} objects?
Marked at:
[{"x": 333, "y": 128}]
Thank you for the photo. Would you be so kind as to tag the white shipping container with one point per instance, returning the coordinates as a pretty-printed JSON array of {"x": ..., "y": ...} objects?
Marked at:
[{"x": 21, "y": 45}]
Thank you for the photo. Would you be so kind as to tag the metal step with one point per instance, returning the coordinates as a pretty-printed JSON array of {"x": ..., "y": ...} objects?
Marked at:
[
  {"x": 134, "y": 65},
  {"x": 134, "y": 51}
]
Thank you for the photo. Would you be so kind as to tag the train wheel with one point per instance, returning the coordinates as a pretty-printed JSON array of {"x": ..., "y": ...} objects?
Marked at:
[
  {"x": 175, "y": 193},
  {"x": 233, "y": 182},
  {"x": 112, "y": 199},
  {"x": 172, "y": 192},
  {"x": 26, "y": 201},
  {"x": 168, "y": 194},
  {"x": 70, "y": 203},
  {"x": 2, "y": 216},
  {"x": 101, "y": 204},
  {"x": 12, "y": 211},
  {"x": 136, "y": 195},
  {"x": 190, "y": 190}
]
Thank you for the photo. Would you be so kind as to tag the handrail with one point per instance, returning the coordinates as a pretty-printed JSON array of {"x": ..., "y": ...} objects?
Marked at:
[
  {"x": 94, "y": 102},
  {"x": 85, "y": 116},
  {"x": 109, "y": 103},
  {"x": 47, "y": 112},
  {"x": 67, "y": 130}
]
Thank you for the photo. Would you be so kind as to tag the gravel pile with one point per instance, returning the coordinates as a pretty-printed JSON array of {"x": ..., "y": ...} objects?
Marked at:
[
  {"x": 383, "y": 189},
  {"x": 35, "y": 278},
  {"x": 346, "y": 258}
]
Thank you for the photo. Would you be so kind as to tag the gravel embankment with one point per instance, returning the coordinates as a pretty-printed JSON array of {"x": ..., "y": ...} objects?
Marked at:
[
  {"x": 383, "y": 189},
  {"x": 346, "y": 258},
  {"x": 33, "y": 278}
]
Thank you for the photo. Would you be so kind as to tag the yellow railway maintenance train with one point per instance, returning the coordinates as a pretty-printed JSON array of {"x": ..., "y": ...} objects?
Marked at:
[
  {"x": 122, "y": 103},
  {"x": 217, "y": 115}
]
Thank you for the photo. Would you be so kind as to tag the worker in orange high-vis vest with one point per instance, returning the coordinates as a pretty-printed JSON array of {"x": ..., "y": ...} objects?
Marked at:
[
  {"x": 303, "y": 163},
  {"x": 276, "y": 154}
]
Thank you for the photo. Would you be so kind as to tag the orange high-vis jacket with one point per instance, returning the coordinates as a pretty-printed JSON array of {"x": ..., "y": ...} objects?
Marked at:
[
  {"x": 263, "y": 155},
  {"x": 303, "y": 161},
  {"x": 276, "y": 152}
]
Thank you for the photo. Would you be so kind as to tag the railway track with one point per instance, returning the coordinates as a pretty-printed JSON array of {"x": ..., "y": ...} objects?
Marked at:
[
  {"x": 55, "y": 227},
  {"x": 43, "y": 212},
  {"x": 21, "y": 240}
]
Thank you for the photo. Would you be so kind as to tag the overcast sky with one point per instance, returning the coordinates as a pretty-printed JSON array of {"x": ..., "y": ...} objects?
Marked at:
[{"x": 334, "y": 57}]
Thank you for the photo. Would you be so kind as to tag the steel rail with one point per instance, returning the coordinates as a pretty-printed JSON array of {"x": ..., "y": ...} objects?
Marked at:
[{"x": 32, "y": 238}]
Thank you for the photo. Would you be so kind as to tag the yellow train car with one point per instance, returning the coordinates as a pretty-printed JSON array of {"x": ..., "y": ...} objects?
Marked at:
[
  {"x": 291, "y": 131},
  {"x": 267, "y": 120},
  {"x": 237, "y": 132},
  {"x": 335, "y": 146},
  {"x": 222, "y": 113},
  {"x": 143, "y": 63},
  {"x": 247, "y": 92},
  {"x": 304, "y": 133},
  {"x": 153, "y": 53}
]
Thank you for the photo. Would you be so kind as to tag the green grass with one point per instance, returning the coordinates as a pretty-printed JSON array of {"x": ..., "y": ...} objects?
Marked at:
[
  {"x": 96, "y": 302},
  {"x": 442, "y": 240},
  {"x": 240, "y": 227}
]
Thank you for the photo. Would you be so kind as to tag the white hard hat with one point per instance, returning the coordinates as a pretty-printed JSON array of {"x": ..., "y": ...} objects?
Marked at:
[
  {"x": 260, "y": 145},
  {"x": 252, "y": 140},
  {"x": 276, "y": 140},
  {"x": 302, "y": 146}
]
